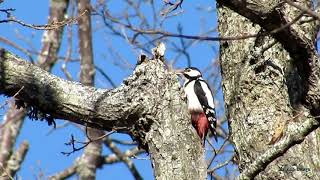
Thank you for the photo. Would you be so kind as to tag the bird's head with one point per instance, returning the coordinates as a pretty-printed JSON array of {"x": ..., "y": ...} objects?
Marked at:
[{"x": 190, "y": 73}]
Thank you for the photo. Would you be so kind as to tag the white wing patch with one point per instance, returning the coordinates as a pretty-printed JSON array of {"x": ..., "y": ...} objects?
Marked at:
[{"x": 193, "y": 102}]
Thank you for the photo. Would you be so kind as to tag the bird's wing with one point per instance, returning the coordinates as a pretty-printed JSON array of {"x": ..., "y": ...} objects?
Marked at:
[{"x": 200, "y": 86}]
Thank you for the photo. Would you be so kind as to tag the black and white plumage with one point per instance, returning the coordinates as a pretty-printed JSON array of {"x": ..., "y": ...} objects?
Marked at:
[{"x": 200, "y": 102}]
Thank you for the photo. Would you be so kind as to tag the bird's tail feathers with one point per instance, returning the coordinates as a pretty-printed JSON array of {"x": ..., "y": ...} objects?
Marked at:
[{"x": 211, "y": 116}]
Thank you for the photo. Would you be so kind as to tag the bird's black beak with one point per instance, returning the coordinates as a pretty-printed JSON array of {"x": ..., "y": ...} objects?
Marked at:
[{"x": 179, "y": 72}]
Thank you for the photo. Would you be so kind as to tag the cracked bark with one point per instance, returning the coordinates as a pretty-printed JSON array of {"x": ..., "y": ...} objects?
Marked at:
[
  {"x": 265, "y": 86},
  {"x": 48, "y": 56},
  {"x": 148, "y": 106}
]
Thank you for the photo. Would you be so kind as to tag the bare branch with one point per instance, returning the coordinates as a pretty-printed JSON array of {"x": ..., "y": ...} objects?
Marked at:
[
  {"x": 296, "y": 136},
  {"x": 113, "y": 158},
  {"x": 73, "y": 142},
  {"x": 129, "y": 143},
  {"x": 7, "y": 11},
  {"x": 10, "y": 43},
  {"x": 281, "y": 28},
  {"x": 17, "y": 158},
  {"x": 7, "y": 101},
  {"x": 220, "y": 165},
  {"x": 66, "y": 173},
  {"x": 172, "y": 7},
  {"x": 51, "y": 26},
  {"x": 100, "y": 70},
  {"x": 9, "y": 131},
  {"x": 123, "y": 158}
]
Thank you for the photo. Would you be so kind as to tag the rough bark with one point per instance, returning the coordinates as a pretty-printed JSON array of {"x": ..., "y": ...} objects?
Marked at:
[
  {"x": 148, "y": 106},
  {"x": 271, "y": 88},
  {"x": 13, "y": 119},
  {"x": 90, "y": 159}
]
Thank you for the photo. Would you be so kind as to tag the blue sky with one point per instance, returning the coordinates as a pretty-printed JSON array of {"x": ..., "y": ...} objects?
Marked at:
[{"x": 44, "y": 155}]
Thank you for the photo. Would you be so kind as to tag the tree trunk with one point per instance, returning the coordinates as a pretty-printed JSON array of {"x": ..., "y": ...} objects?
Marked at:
[
  {"x": 148, "y": 106},
  {"x": 265, "y": 86}
]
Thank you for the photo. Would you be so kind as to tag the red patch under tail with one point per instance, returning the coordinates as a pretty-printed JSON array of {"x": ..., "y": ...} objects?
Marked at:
[{"x": 201, "y": 124}]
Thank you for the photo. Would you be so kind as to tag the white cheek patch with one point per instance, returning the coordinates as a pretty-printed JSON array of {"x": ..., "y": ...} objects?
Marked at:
[{"x": 193, "y": 73}]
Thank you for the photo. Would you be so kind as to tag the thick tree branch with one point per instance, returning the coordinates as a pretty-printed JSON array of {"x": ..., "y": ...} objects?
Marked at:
[
  {"x": 105, "y": 109},
  {"x": 148, "y": 106}
]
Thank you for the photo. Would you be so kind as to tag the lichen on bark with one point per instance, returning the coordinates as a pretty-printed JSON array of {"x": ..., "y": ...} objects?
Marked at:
[{"x": 262, "y": 87}]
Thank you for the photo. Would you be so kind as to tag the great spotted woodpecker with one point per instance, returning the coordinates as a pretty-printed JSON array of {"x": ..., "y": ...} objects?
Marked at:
[{"x": 200, "y": 102}]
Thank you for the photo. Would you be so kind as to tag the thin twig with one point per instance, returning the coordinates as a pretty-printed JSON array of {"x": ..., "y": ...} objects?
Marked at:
[
  {"x": 14, "y": 96},
  {"x": 100, "y": 70},
  {"x": 85, "y": 144},
  {"x": 302, "y": 8},
  {"x": 220, "y": 165},
  {"x": 206, "y": 38},
  {"x": 51, "y": 26},
  {"x": 172, "y": 7},
  {"x": 113, "y": 158}
]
